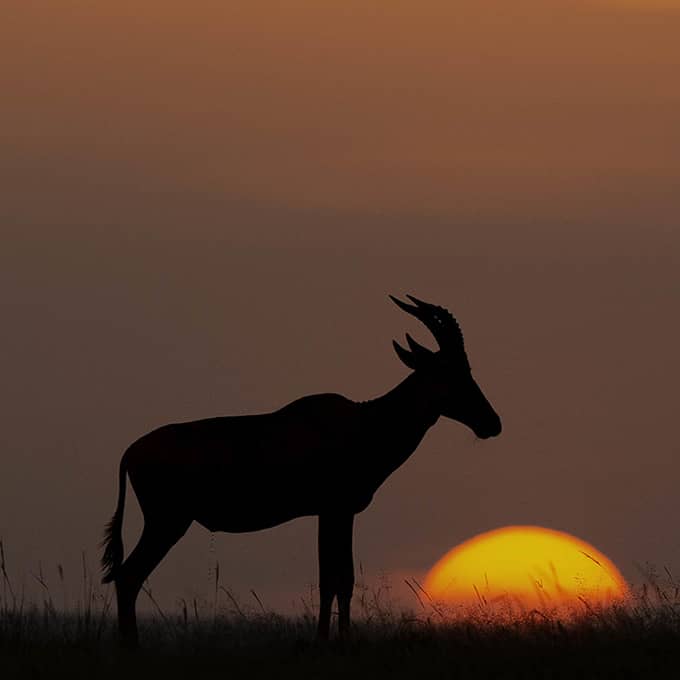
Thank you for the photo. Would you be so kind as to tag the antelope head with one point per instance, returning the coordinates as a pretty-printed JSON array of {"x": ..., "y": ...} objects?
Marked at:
[{"x": 447, "y": 372}]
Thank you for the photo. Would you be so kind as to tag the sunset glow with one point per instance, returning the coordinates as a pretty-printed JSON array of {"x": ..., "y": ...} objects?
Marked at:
[{"x": 520, "y": 568}]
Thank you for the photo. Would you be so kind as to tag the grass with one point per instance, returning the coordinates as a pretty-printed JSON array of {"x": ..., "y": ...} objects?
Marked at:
[{"x": 224, "y": 639}]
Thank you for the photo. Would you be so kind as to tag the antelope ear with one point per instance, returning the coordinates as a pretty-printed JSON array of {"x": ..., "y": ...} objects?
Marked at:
[
  {"x": 422, "y": 354},
  {"x": 408, "y": 358}
]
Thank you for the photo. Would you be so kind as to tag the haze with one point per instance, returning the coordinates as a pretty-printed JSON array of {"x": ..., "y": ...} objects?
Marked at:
[{"x": 203, "y": 209}]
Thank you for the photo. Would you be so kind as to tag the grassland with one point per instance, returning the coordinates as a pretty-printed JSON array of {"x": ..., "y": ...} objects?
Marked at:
[{"x": 222, "y": 640}]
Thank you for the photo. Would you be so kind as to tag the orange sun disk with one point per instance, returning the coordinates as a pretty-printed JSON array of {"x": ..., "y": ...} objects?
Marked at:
[{"x": 522, "y": 568}]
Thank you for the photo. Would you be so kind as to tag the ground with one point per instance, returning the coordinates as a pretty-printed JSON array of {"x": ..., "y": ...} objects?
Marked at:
[{"x": 625, "y": 643}]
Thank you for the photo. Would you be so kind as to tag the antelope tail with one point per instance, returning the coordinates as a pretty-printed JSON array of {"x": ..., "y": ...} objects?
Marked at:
[{"x": 113, "y": 539}]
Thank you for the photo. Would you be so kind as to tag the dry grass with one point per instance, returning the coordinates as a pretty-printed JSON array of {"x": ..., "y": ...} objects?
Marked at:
[{"x": 224, "y": 638}]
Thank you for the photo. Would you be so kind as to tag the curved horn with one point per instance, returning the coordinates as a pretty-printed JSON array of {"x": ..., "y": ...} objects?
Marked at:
[
  {"x": 410, "y": 309},
  {"x": 439, "y": 321}
]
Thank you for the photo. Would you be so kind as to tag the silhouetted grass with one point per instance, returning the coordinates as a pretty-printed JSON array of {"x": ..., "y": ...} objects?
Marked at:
[{"x": 224, "y": 639}]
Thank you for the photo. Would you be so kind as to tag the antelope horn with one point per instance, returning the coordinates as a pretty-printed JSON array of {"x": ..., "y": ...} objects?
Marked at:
[
  {"x": 410, "y": 309},
  {"x": 440, "y": 322}
]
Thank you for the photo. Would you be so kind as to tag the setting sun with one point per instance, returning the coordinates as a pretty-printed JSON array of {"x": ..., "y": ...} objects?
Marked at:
[{"x": 519, "y": 568}]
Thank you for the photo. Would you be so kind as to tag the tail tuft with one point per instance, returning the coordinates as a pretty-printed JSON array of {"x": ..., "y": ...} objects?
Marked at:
[
  {"x": 113, "y": 548},
  {"x": 113, "y": 538}
]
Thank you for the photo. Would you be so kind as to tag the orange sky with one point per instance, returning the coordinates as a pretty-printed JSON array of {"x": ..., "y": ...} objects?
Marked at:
[{"x": 203, "y": 209}]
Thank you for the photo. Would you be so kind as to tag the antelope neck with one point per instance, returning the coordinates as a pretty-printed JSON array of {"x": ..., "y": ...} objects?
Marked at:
[{"x": 409, "y": 405}]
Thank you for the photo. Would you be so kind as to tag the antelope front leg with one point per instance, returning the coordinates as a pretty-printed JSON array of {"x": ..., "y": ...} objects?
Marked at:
[{"x": 336, "y": 570}]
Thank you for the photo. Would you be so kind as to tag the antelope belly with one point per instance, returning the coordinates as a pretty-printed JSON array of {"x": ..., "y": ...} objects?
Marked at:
[{"x": 253, "y": 512}]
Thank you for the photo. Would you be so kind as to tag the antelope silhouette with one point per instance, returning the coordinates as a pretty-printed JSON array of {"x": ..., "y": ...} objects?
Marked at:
[{"x": 322, "y": 455}]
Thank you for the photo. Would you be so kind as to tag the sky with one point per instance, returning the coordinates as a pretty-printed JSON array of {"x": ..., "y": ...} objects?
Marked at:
[{"x": 204, "y": 207}]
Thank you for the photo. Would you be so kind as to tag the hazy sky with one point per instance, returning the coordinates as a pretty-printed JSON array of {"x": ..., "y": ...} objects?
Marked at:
[{"x": 204, "y": 206}]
